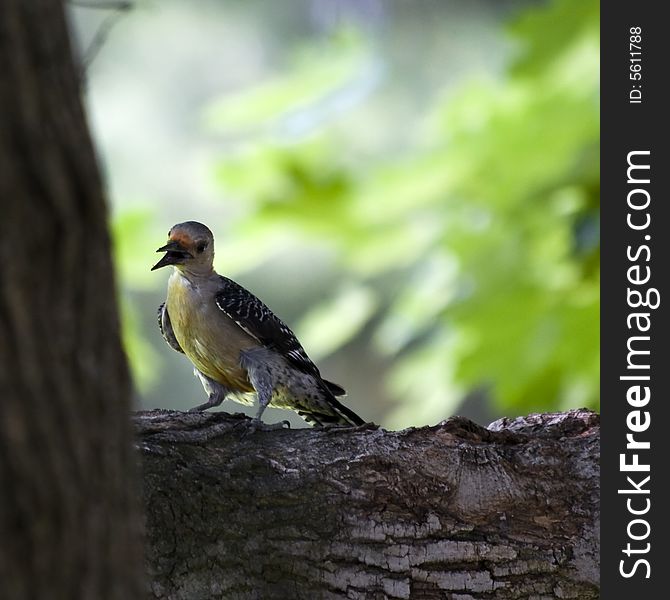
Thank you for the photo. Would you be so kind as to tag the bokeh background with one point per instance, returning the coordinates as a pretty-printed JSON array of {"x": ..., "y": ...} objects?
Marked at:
[{"x": 412, "y": 186}]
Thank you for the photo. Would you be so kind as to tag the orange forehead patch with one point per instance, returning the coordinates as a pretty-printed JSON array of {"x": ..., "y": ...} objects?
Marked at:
[{"x": 182, "y": 238}]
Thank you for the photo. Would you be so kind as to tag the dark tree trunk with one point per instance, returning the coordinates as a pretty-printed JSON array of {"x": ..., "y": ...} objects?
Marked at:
[
  {"x": 454, "y": 511},
  {"x": 68, "y": 524}
]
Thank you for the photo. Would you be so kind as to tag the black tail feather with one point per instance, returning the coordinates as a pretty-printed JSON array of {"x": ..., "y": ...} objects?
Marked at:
[
  {"x": 347, "y": 416},
  {"x": 334, "y": 389},
  {"x": 338, "y": 415}
]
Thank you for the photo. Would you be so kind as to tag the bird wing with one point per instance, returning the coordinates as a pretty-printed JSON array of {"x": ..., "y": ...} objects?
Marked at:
[
  {"x": 260, "y": 322},
  {"x": 166, "y": 328}
]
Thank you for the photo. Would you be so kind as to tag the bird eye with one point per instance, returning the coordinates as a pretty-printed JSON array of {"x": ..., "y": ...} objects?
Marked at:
[{"x": 200, "y": 248}]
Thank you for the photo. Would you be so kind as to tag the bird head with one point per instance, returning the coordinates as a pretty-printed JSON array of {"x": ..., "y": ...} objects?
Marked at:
[{"x": 190, "y": 247}]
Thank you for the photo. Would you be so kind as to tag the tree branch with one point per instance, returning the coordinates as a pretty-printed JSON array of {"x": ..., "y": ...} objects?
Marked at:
[{"x": 451, "y": 511}]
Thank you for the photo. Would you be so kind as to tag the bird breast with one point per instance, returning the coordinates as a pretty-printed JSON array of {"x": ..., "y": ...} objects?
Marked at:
[{"x": 210, "y": 339}]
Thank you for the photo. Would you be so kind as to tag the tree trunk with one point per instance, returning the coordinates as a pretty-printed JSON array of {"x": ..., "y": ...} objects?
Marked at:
[
  {"x": 453, "y": 511},
  {"x": 68, "y": 523}
]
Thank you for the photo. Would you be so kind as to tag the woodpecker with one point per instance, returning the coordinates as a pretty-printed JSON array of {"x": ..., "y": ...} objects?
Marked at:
[{"x": 239, "y": 348}]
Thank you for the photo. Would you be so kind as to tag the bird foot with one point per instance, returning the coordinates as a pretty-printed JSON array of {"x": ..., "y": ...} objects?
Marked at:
[{"x": 257, "y": 425}]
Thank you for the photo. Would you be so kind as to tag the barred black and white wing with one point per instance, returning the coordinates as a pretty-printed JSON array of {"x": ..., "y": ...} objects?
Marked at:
[
  {"x": 260, "y": 322},
  {"x": 254, "y": 317},
  {"x": 166, "y": 328}
]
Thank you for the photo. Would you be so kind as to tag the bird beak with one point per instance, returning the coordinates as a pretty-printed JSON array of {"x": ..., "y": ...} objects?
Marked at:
[{"x": 174, "y": 255}]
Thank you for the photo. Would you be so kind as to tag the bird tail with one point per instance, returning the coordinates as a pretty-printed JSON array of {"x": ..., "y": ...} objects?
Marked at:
[
  {"x": 346, "y": 415},
  {"x": 338, "y": 414},
  {"x": 334, "y": 389}
]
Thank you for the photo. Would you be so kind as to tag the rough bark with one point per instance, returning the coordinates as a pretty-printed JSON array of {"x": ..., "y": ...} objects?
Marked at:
[
  {"x": 452, "y": 511},
  {"x": 68, "y": 523}
]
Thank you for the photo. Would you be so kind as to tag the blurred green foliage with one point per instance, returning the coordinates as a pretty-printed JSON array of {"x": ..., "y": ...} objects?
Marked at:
[
  {"x": 486, "y": 229},
  {"x": 134, "y": 236},
  {"x": 470, "y": 256}
]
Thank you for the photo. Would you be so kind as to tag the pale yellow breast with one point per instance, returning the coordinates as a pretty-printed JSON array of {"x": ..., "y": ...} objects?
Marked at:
[{"x": 210, "y": 339}]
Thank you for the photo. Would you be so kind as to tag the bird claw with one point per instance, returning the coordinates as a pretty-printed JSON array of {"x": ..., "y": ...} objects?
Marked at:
[{"x": 256, "y": 424}]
